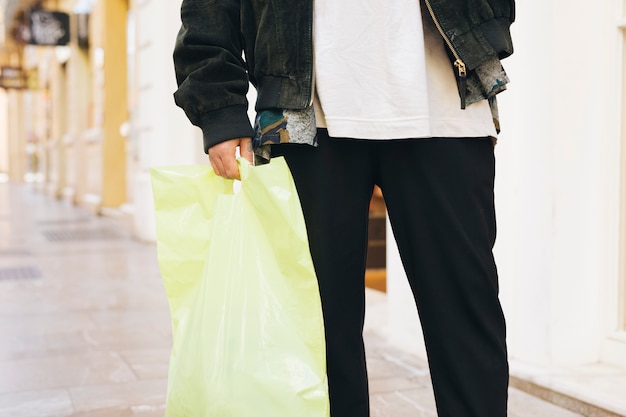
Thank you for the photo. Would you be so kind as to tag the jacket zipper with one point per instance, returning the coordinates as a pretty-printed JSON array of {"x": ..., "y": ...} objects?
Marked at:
[{"x": 458, "y": 64}]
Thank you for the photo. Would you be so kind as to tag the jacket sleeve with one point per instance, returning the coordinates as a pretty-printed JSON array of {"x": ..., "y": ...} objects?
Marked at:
[{"x": 210, "y": 71}]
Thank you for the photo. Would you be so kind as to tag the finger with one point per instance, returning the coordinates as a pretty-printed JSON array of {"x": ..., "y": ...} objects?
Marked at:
[
  {"x": 225, "y": 166},
  {"x": 245, "y": 149},
  {"x": 231, "y": 169},
  {"x": 222, "y": 159},
  {"x": 216, "y": 162},
  {"x": 217, "y": 166}
]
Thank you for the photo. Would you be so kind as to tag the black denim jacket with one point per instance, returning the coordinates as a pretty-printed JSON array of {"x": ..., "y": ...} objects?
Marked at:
[{"x": 276, "y": 38}]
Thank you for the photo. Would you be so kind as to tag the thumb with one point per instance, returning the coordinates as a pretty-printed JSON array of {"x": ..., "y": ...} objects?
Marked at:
[{"x": 245, "y": 149}]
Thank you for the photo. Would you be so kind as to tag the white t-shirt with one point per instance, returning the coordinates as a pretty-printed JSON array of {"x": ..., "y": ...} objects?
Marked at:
[{"x": 382, "y": 72}]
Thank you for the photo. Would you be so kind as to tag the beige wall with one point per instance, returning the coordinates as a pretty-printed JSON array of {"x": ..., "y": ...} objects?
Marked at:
[
  {"x": 622, "y": 294},
  {"x": 111, "y": 96},
  {"x": 4, "y": 134},
  {"x": 16, "y": 134},
  {"x": 160, "y": 133}
]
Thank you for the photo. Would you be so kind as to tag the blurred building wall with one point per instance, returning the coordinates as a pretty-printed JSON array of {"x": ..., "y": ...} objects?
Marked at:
[
  {"x": 99, "y": 112},
  {"x": 4, "y": 134},
  {"x": 159, "y": 132},
  {"x": 4, "y": 138}
]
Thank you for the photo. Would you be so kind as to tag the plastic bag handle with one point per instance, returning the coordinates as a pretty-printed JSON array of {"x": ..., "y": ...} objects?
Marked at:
[
  {"x": 229, "y": 184},
  {"x": 244, "y": 168}
]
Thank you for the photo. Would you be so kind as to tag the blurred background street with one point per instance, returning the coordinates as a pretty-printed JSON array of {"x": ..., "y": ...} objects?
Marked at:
[
  {"x": 86, "y": 332},
  {"x": 86, "y": 109}
]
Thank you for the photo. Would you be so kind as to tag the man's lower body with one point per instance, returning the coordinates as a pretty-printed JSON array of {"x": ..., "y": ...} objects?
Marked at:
[{"x": 439, "y": 197}]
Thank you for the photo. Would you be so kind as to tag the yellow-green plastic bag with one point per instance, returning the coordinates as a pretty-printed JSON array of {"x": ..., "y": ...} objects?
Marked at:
[{"x": 248, "y": 337}]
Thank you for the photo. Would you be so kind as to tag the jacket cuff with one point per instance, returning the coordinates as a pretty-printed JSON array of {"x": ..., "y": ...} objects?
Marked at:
[{"x": 225, "y": 124}]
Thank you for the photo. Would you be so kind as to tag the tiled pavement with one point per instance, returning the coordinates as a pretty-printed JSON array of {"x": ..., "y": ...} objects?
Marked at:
[{"x": 84, "y": 324}]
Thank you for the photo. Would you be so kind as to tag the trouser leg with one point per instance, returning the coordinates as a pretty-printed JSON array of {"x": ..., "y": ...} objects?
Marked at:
[
  {"x": 334, "y": 183},
  {"x": 439, "y": 195}
]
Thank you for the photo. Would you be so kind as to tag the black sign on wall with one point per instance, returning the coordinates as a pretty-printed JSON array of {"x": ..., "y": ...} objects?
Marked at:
[
  {"x": 12, "y": 77},
  {"x": 48, "y": 28}
]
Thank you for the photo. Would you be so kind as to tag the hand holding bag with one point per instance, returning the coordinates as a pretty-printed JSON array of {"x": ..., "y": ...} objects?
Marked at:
[{"x": 248, "y": 337}]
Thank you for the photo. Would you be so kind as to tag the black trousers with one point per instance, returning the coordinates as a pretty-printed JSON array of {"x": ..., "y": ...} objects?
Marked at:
[{"x": 439, "y": 197}]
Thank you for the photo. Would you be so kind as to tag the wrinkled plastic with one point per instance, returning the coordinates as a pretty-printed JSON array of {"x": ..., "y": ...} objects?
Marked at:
[{"x": 248, "y": 337}]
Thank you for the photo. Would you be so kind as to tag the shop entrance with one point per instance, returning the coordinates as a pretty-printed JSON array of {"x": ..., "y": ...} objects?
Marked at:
[{"x": 376, "y": 264}]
